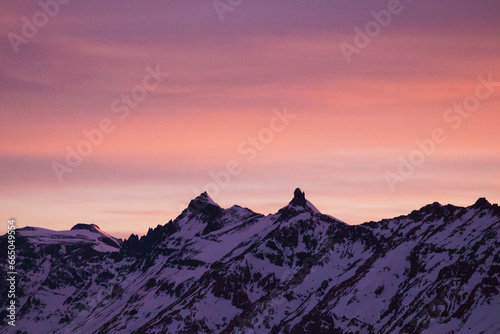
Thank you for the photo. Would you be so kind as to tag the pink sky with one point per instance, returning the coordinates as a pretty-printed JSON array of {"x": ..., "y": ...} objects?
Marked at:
[{"x": 352, "y": 121}]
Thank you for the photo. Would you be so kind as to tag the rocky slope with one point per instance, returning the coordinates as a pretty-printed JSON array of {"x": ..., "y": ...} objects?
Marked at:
[{"x": 215, "y": 270}]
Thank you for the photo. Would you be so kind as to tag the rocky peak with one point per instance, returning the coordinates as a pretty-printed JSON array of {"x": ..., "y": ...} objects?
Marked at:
[
  {"x": 187, "y": 269},
  {"x": 202, "y": 202},
  {"x": 300, "y": 203},
  {"x": 481, "y": 203},
  {"x": 299, "y": 198},
  {"x": 434, "y": 208},
  {"x": 208, "y": 212}
]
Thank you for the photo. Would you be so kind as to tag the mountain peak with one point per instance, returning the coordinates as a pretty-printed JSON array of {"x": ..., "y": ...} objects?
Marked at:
[
  {"x": 88, "y": 227},
  {"x": 299, "y": 200},
  {"x": 231, "y": 257},
  {"x": 481, "y": 203},
  {"x": 104, "y": 237},
  {"x": 202, "y": 202}
]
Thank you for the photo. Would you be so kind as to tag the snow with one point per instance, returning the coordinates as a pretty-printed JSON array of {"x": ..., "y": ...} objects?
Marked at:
[
  {"x": 229, "y": 238},
  {"x": 210, "y": 200},
  {"x": 46, "y": 236},
  {"x": 311, "y": 206},
  {"x": 336, "y": 285}
]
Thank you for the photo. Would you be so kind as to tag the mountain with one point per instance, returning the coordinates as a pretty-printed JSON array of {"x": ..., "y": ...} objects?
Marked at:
[{"x": 216, "y": 270}]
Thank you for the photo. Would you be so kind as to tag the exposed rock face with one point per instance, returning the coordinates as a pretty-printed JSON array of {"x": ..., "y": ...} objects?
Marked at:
[
  {"x": 299, "y": 198},
  {"x": 214, "y": 270}
]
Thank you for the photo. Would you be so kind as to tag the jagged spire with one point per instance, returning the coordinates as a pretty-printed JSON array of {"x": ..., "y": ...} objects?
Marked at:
[
  {"x": 299, "y": 201},
  {"x": 481, "y": 203},
  {"x": 299, "y": 198}
]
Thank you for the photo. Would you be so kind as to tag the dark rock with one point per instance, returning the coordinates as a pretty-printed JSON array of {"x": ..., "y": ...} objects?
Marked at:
[
  {"x": 299, "y": 198},
  {"x": 481, "y": 203}
]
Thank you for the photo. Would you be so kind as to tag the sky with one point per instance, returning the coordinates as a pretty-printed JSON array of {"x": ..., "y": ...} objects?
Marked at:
[{"x": 119, "y": 113}]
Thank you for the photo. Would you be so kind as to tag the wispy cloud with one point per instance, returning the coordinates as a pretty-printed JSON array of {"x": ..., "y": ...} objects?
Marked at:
[{"x": 225, "y": 78}]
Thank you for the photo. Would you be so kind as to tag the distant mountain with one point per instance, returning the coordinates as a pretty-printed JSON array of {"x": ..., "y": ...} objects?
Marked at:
[{"x": 215, "y": 270}]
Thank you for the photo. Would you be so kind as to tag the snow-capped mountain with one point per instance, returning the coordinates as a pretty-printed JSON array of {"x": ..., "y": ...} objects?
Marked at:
[
  {"x": 79, "y": 235},
  {"x": 215, "y": 270}
]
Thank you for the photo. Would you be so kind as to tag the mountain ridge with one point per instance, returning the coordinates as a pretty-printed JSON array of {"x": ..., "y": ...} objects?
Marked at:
[{"x": 215, "y": 270}]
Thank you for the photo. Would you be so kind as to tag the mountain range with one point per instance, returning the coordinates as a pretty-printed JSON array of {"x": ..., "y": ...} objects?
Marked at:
[{"x": 216, "y": 270}]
